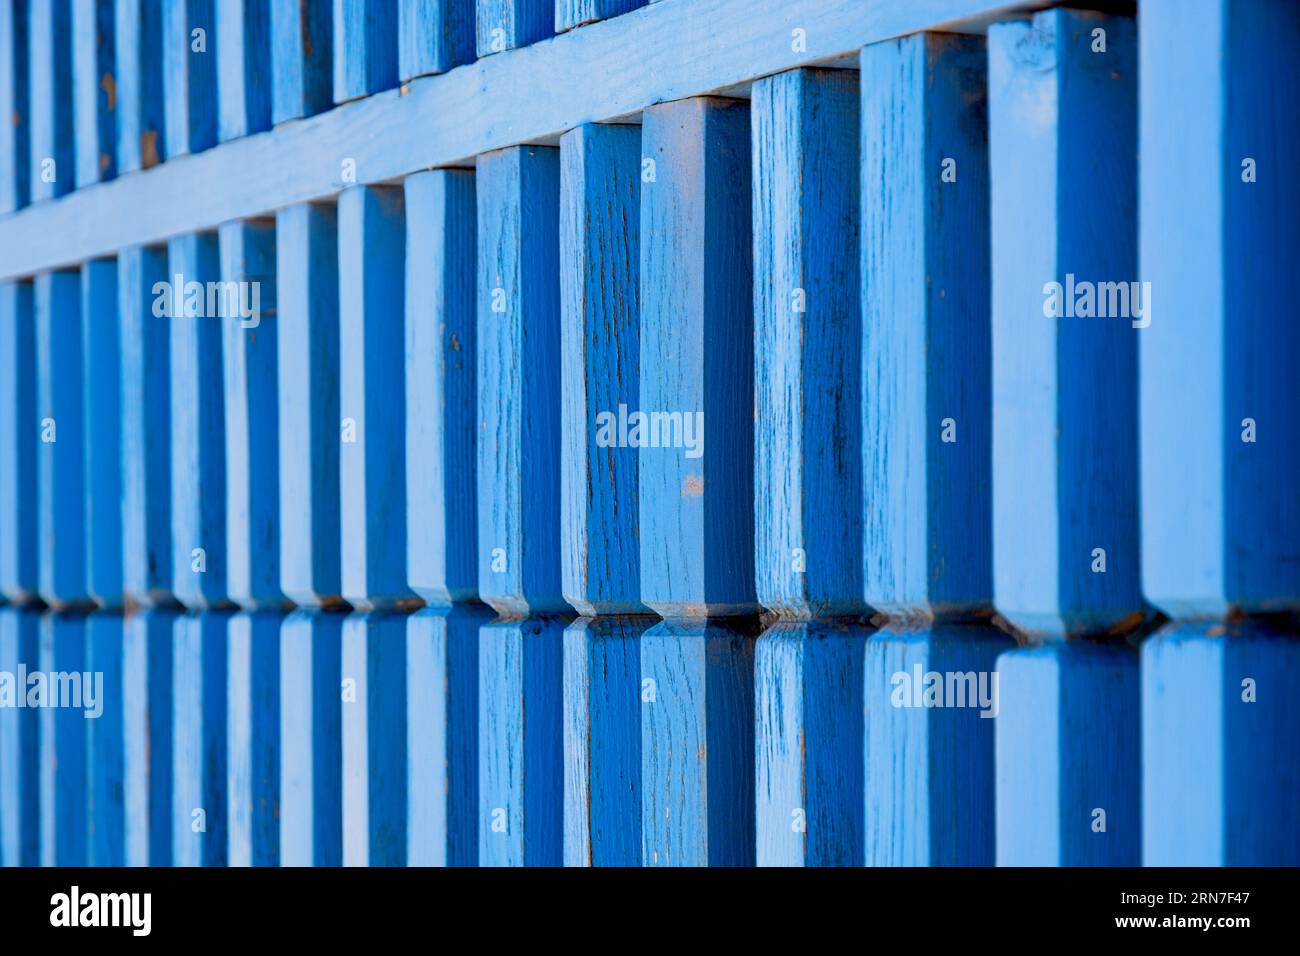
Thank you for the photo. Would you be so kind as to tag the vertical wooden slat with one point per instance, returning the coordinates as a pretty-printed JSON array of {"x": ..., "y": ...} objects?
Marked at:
[
  {"x": 147, "y": 702},
  {"x": 1220, "y": 237},
  {"x": 1064, "y": 438},
  {"x": 302, "y": 60},
  {"x": 50, "y": 89},
  {"x": 508, "y": 24},
  {"x": 15, "y": 134},
  {"x": 189, "y": 57},
  {"x": 365, "y": 48},
  {"x": 19, "y": 444},
  {"x": 434, "y": 36},
  {"x": 244, "y": 68},
  {"x": 139, "y": 94},
  {"x": 94, "y": 80},
  {"x": 106, "y": 742},
  {"x": 574, "y": 13},
  {"x": 199, "y": 739},
  {"x": 19, "y": 745},
  {"x": 63, "y": 819},
  {"x": 102, "y": 378},
  {"x": 253, "y": 738}
]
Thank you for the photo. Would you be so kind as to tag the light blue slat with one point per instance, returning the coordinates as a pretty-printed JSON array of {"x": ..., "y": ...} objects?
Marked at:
[
  {"x": 101, "y": 336},
  {"x": 138, "y": 75},
  {"x": 253, "y": 738},
  {"x": 508, "y": 24},
  {"x": 302, "y": 59},
  {"x": 19, "y": 443},
  {"x": 19, "y": 743},
  {"x": 148, "y": 647},
  {"x": 244, "y": 67},
  {"x": 199, "y": 739},
  {"x": 311, "y": 743},
  {"x": 435, "y": 35},
  {"x": 15, "y": 141},
  {"x": 365, "y": 48},
  {"x": 697, "y": 341},
  {"x": 307, "y": 319},
  {"x": 63, "y": 819},
  {"x": 52, "y": 144},
  {"x": 94, "y": 82},
  {"x": 189, "y": 56}
]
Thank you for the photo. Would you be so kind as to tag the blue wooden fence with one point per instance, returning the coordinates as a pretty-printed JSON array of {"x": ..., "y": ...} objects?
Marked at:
[{"x": 355, "y": 366}]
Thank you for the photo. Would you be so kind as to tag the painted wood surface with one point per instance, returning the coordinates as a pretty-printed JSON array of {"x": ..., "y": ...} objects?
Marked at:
[
  {"x": 189, "y": 58},
  {"x": 19, "y": 442},
  {"x": 62, "y": 740},
  {"x": 148, "y": 724},
  {"x": 365, "y": 48},
  {"x": 434, "y": 36},
  {"x": 697, "y": 536},
  {"x": 302, "y": 60},
  {"x": 101, "y": 377},
  {"x": 441, "y": 387},
  {"x": 53, "y": 153},
  {"x": 139, "y": 106},
  {"x": 244, "y": 78},
  {"x": 807, "y": 344},
  {"x": 19, "y": 745},
  {"x": 253, "y": 738},
  {"x": 307, "y": 339},
  {"x": 15, "y": 136},
  {"x": 200, "y": 710},
  {"x": 94, "y": 90},
  {"x": 509, "y": 24},
  {"x": 311, "y": 741},
  {"x": 575, "y": 13},
  {"x": 106, "y": 742}
]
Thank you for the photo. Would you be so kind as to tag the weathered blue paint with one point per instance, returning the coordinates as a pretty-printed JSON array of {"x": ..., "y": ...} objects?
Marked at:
[
  {"x": 442, "y": 694},
  {"x": 807, "y": 343},
  {"x": 101, "y": 376},
  {"x": 189, "y": 57},
  {"x": 697, "y": 745},
  {"x": 249, "y": 362},
  {"x": 200, "y": 661},
  {"x": 372, "y": 457},
  {"x": 508, "y": 24},
  {"x": 518, "y": 193},
  {"x": 19, "y": 744},
  {"x": 253, "y": 738},
  {"x": 302, "y": 60},
  {"x": 925, "y": 293},
  {"x": 1064, "y": 389},
  {"x": 94, "y": 91},
  {"x": 15, "y": 136},
  {"x": 106, "y": 743},
  {"x": 244, "y": 67},
  {"x": 311, "y": 742},
  {"x": 307, "y": 336},
  {"x": 61, "y": 454},
  {"x": 50, "y": 89},
  {"x": 574, "y": 13},
  {"x": 434, "y": 36},
  {"x": 198, "y": 426},
  {"x": 139, "y": 112},
  {"x": 602, "y": 740},
  {"x": 19, "y": 444},
  {"x": 365, "y": 48},
  {"x": 599, "y": 356},
  {"x": 441, "y": 493},
  {"x": 374, "y": 768},
  {"x": 697, "y": 358},
  {"x": 1220, "y": 721},
  {"x": 1066, "y": 748},
  {"x": 144, "y": 341},
  {"x": 63, "y": 817},
  {"x": 148, "y": 759},
  {"x": 520, "y": 743},
  {"x": 808, "y": 744}
]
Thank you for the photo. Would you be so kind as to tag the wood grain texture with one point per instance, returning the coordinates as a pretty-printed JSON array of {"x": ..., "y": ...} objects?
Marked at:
[
  {"x": 575, "y": 13},
  {"x": 1219, "y": 712},
  {"x": 1220, "y": 518},
  {"x": 302, "y": 60},
  {"x": 106, "y": 743},
  {"x": 311, "y": 750},
  {"x": 15, "y": 136},
  {"x": 199, "y": 799},
  {"x": 19, "y": 745},
  {"x": 62, "y": 818},
  {"x": 253, "y": 738},
  {"x": 697, "y": 359},
  {"x": 441, "y": 387},
  {"x": 374, "y": 740},
  {"x": 145, "y": 428},
  {"x": 372, "y": 403},
  {"x": 139, "y": 110},
  {"x": 930, "y": 769},
  {"x": 1066, "y": 749},
  {"x": 442, "y": 693},
  {"x": 697, "y": 745},
  {"x": 1064, "y": 389},
  {"x": 147, "y": 703},
  {"x": 599, "y": 356},
  {"x": 101, "y": 376},
  {"x": 53, "y": 152},
  {"x": 198, "y": 428},
  {"x": 520, "y": 742},
  {"x": 602, "y": 740},
  {"x": 926, "y": 404},
  {"x": 307, "y": 339},
  {"x": 434, "y": 36},
  {"x": 19, "y": 444},
  {"x": 518, "y": 193},
  {"x": 189, "y": 75},
  {"x": 807, "y": 345},
  {"x": 365, "y": 48},
  {"x": 94, "y": 90},
  {"x": 808, "y": 739},
  {"x": 244, "y": 77},
  {"x": 61, "y": 454},
  {"x": 249, "y": 363},
  {"x": 509, "y": 24}
]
